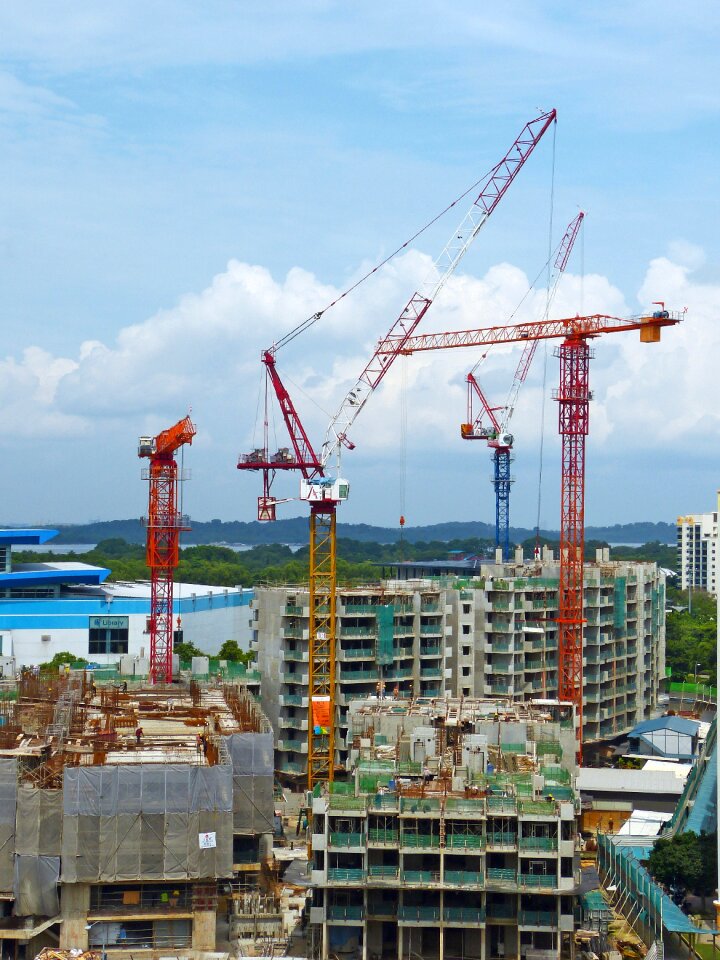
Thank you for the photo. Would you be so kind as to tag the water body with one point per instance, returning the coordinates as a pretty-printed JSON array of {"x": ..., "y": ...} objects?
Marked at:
[{"x": 57, "y": 548}]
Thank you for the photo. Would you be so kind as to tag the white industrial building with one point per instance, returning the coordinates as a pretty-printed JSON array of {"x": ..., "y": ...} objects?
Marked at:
[{"x": 49, "y": 608}]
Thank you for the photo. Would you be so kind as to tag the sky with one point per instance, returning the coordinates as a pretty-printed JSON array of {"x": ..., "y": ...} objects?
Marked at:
[{"x": 183, "y": 183}]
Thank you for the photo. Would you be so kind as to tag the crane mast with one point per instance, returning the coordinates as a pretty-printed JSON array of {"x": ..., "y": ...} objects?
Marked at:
[
  {"x": 498, "y": 437},
  {"x": 573, "y": 397},
  {"x": 164, "y": 525},
  {"x": 324, "y": 493}
]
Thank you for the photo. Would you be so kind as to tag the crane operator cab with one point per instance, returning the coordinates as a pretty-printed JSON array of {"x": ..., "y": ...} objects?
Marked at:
[
  {"x": 332, "y": 489},
  {"x": 146, "y": 446}
]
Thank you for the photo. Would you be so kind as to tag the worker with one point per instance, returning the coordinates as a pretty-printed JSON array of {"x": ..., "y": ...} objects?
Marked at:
[{"x": 139, "y": 735}]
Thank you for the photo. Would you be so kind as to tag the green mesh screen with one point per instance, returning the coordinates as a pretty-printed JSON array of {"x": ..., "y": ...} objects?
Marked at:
[
  {"x": 384, "y": 653},
  {"x": 620, "y": 617}
]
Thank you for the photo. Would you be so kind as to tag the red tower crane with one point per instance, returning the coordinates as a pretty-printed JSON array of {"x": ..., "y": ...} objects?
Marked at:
[
  {"x": 573, "y": 399},
  {"x": 164, "y": 525},
  {"x": 325, "y": 493}
]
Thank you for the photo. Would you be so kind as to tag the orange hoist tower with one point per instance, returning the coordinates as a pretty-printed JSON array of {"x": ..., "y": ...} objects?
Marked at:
[
  {"x": 323, "y": 492},
  {"x": 164, "y": 525},
  {"x": 573, "y": 399}
]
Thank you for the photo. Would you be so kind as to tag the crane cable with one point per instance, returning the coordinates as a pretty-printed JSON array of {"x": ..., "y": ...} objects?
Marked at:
[
  {"x": 544, "y": 269},
  {"x": 311, "y": 320},
  {"x": 545, "y": 353},
  {"x": 403, "y": 449}
]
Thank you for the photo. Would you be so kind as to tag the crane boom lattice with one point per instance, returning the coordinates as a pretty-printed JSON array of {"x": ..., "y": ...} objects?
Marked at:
[
  {"x": 493, "y": 189},
  {"x": 324, "y": 493}
]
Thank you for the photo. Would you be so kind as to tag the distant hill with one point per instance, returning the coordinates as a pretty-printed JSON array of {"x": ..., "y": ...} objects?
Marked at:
[{"x": 295, "y": 530}]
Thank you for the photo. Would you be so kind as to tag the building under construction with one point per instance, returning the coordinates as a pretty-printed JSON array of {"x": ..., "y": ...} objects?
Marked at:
[
  {"x": 122, "y": 809},
  {"x": 467, "y": 629},
  {"x": 456, "y": 835}
]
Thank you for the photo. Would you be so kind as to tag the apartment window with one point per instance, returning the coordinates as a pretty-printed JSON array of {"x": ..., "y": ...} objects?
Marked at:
[
  {"x": 466, "y": 629},
  {"x": 466, "y": 691},
  {"x": 466, "y": 651},
  {"x": 466, "y": 608},
  {"x": 466, "y": 671}
]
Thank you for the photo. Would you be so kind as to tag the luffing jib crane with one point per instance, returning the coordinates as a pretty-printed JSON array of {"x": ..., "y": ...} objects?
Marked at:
[
  {"x": 164, "y": 525},
  {"x": 573, "y": 397},
  {"x": 492, "y": 424},
  {"x": 323, "y": 492}
]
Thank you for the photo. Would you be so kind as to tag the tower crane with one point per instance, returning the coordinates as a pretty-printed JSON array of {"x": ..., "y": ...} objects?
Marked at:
[
  {"x": 492, "y": 423},
  {"x": 573, "y": 397},
  {"x": 324, "y": 492},
  {"x": 164, "y": 525}
]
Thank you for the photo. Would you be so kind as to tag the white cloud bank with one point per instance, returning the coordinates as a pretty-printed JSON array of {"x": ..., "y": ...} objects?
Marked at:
[{"x": 204, "y": 353}]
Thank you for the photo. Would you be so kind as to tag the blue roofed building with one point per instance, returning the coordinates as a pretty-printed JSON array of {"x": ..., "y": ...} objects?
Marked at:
[
  {"x": 669, "y": 737},
  {"x": 51, "y": 607}
]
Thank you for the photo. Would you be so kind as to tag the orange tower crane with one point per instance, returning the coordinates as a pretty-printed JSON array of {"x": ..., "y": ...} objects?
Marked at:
[
  {"x": 164, "y": 525},
  {"x": 573, "y": 399},
  {"x": 323, "y": 492}
]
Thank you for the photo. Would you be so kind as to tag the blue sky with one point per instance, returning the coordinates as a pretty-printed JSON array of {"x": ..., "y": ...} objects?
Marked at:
[{"x": 181, "y": 183}]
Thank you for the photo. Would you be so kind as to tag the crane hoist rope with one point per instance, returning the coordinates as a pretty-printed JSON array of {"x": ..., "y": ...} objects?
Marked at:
[{"x": 313, "y": 318}]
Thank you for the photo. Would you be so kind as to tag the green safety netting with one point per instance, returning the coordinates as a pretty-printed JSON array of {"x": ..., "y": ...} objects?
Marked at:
[
  {"x": 620, "y": 607},
  {"x": 384, "y": 649}
]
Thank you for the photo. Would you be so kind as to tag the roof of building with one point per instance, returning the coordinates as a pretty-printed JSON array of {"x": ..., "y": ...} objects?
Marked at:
[
  {"x": 654, "y": 782},
  {"x": 676, "y": 724},
  {"x": 643, "y": 823},
  {"x": 26, "y": 536},
  {"x": 140, "y": 590},
  {"x": 464, "y": 564},
  {"x": 61, "y": 572}
]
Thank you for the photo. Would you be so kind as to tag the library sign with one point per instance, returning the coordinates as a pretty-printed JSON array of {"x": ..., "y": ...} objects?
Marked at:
[{"x": 109, "y": 623}]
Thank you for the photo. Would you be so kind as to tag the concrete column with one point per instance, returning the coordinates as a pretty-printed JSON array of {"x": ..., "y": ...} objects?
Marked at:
[
  {"x": 203, "y": 930},
  {"x": 74, "y": 907}
]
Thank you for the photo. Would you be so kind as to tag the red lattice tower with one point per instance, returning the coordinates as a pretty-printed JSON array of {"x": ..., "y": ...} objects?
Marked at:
[
  {"x": 573, "y": 397},
  {"x": 164, "y": 526}
]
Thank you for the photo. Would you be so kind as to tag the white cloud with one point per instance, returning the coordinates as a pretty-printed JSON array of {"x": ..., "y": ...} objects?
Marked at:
[{"x": 658, "y": 400}]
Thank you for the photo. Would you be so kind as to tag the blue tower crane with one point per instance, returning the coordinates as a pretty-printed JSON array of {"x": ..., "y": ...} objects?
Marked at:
[{"x": 492, "y": 423}]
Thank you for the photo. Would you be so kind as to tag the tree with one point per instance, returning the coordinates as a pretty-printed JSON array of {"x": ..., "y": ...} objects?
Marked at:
[
  {"x": 53, "y": 666},
  {"x": 231, "y": 651},
  {"x": 685, "y": 862},
  {"x": 186, "y": 651}
]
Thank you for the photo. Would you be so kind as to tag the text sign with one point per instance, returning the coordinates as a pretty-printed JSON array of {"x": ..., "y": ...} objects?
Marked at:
[
  {"x": 207, "y": 841},
  {"x": 109, "y": 623}
]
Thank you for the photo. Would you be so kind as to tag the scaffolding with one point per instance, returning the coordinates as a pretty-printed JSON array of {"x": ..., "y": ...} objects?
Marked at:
[{"x": 112, "y": 783}]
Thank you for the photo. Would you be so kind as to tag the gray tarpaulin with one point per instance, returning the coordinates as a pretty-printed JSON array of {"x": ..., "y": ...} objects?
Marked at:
[
  {"x": 252, "y": 756},
  {"x": 36, "y": 886},
  {"x": 38, "y": 824},
  {"x": 145, "y": 788},
  {"x": 145, "y": 820},
  {"x": 8, "y": 803}
]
